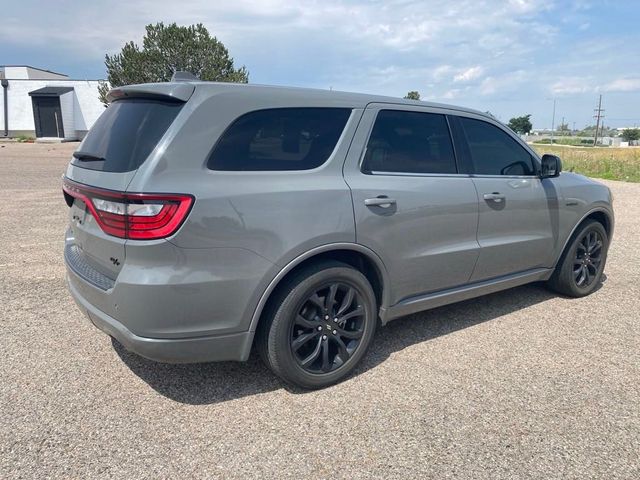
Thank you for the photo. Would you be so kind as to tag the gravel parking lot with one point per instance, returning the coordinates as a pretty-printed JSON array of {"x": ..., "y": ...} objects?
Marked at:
[{"x": 518, "y": 384}]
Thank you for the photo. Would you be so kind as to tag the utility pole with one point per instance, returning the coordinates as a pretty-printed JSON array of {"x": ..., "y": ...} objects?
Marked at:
[
  {"x": 553, "y": 119},
  {"x": 598, "y": 116},
  {"x": 562, "y": 126}
]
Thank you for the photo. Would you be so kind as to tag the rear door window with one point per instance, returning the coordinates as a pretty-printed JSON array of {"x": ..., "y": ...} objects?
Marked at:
[
  {"x": 125, "y": 134},
  {"x": 493, "y": 151},
  {"x": 409, "y": 142},
  {"x": 279, "y": 139}
]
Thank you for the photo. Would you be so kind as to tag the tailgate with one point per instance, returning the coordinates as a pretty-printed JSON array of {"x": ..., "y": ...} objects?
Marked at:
[
  {"x": 103, "y": 252},
  {"x": 120, "y": 141}
]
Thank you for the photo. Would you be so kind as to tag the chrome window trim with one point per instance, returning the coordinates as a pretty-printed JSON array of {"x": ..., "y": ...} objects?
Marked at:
[
  {"x": 413, "y": 174},
  {"x": 465, "y": 175},
  {"x": 479, "y": 175}
]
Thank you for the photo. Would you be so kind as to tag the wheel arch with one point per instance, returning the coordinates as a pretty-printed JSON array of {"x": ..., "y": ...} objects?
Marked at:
[
  {"x": 362, "y": 258},
  {"x": 600, "y": 215}
]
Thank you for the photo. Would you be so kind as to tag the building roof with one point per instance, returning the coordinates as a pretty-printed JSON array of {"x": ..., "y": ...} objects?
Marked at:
[
  {"x": 50, "y": 91},
  {"x": 35, "y": 68}
]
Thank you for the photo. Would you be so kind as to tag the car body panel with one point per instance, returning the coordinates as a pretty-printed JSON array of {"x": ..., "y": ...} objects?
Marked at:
[
  {"x": 578, "y": 197},
  {"x": 515, "y": 233},
  {"x": 470, "y": 290},
  {"x": 164, "y": 291},
  {"x": 427, "y": 240},
  {"x": 204, "y": 288},
  {"x": 270, "y": 214}
]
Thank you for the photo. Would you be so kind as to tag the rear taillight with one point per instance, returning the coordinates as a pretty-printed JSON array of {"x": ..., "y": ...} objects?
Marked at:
[{"x": 138, "y": 216}]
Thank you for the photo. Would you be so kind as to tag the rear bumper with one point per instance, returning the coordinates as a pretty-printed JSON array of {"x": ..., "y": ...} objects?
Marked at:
[
  {"x": 171, "y": 304},
  {"x": 230, "y": 347}
]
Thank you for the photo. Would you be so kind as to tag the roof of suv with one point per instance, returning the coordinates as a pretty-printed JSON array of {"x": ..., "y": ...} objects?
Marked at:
[{"x": 282, "y": 94}]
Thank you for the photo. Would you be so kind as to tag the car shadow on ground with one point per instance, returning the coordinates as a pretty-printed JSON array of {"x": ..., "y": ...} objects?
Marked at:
[{"x": 208, "y": 383}]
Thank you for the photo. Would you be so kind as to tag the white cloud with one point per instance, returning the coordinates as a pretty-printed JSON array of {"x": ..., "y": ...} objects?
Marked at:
[
  {"x": 587, "y": 84},
  {"x": 489, "y": 86},
  {"x": 506, "y": 52},
  {"x": 442, "y": 71},
  {"x": 623, "y": 85},
  {"x": 528, "y": 6},
  {"x": 397, "y": 24},
  {"x": 451, "y": 94},
  {"x": 508, "y": 82},
  {"x": 469, "y": 74},
  {"x": 581, "y": 5},
  {"x": 572, "y": 85}
]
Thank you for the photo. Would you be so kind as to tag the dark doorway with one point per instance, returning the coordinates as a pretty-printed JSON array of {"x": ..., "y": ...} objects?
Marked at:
[
  {"x": 48, "y": 117},
  {"x": 47, "y": 114}
]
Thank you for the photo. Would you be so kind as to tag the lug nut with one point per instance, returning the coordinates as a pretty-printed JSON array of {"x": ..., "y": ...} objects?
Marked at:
[
  {"x": 334, "y": 332},
  {"x": 319, "y": 328},
  {"x": 326, "y": 317},
  {"x": 324, "y": 337},
  {"x": 335, "y": 320}
]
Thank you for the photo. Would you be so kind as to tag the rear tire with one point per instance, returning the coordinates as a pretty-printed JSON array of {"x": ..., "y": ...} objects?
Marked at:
[
  {"x": 579, "y": 271},
  {"x": 319, "y": 325}
]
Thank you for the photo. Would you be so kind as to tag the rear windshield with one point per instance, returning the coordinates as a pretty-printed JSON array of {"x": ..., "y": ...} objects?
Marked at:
[
  {"x": 280, "y": 139},
  {"x": 125, "y": 134}
]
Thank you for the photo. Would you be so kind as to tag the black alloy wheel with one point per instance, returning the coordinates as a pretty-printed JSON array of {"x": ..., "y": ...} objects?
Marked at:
[
  {"x": 318, "y": 325},
  {"x": 328, "y": 328},
  {"x": 581, "y": 265},
  {"x": 587, "y": 259}
]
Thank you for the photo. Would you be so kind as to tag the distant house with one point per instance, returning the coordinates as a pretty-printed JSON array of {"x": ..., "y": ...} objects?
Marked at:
[{"x": 46, "y": 105}]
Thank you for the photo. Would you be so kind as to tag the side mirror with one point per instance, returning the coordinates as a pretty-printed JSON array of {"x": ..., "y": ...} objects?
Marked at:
[{"x": 551, "y": 166}]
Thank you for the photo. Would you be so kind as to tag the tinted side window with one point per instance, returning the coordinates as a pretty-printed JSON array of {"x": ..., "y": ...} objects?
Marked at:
[
  {"x": 280, "y": 139},
  {"x": 409, "y": 142},
  {"x": 494, "y": 152},
  {"x": 125, "y": 134}
]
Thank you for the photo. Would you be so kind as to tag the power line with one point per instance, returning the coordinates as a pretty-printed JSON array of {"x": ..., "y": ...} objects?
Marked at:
[{"x": 598, "y": 116}]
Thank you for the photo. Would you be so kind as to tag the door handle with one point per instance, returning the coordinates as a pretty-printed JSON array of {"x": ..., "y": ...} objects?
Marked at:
[
  {"x": 495, "y": 196},
  {"x": 380, "y": 201}
]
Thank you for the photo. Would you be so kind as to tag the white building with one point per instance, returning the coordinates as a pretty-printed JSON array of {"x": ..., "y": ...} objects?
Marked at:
[{"x": 44, "y": 104}]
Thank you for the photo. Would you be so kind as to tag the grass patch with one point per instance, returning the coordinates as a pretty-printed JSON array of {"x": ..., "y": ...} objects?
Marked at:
[
  {"x": 610, "y": 163},
  {"x": 575, "y": 141}
]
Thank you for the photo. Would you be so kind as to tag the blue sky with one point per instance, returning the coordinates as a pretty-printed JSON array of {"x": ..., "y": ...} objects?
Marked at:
[{"x": 510, "y": 57}]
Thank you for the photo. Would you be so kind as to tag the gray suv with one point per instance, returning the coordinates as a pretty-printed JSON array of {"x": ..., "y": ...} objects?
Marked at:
[{"x": 208, "y": 218}]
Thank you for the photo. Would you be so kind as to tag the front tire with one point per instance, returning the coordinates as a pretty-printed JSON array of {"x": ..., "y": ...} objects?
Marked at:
[
  {"x": 581, "y": 265},
  {"x": 319, "y": 325}
]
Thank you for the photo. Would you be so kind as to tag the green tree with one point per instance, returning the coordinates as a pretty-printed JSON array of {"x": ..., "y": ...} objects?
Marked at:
[
  {"x": 603, "y": 131},
  {"x": 631, "y": 134},
  {"x": 563, "y": 128},
  {"x": 167, "y": 49},
  {"x": 521, "y": 124},
  {"x": 412, "y": 95}
]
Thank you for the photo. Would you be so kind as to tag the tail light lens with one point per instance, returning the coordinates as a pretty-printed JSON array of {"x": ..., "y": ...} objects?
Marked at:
[{"x": 136, "y": 216}]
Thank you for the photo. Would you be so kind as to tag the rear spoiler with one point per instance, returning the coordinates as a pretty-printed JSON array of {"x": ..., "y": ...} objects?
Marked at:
[{"x": 172, "y": 91}]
